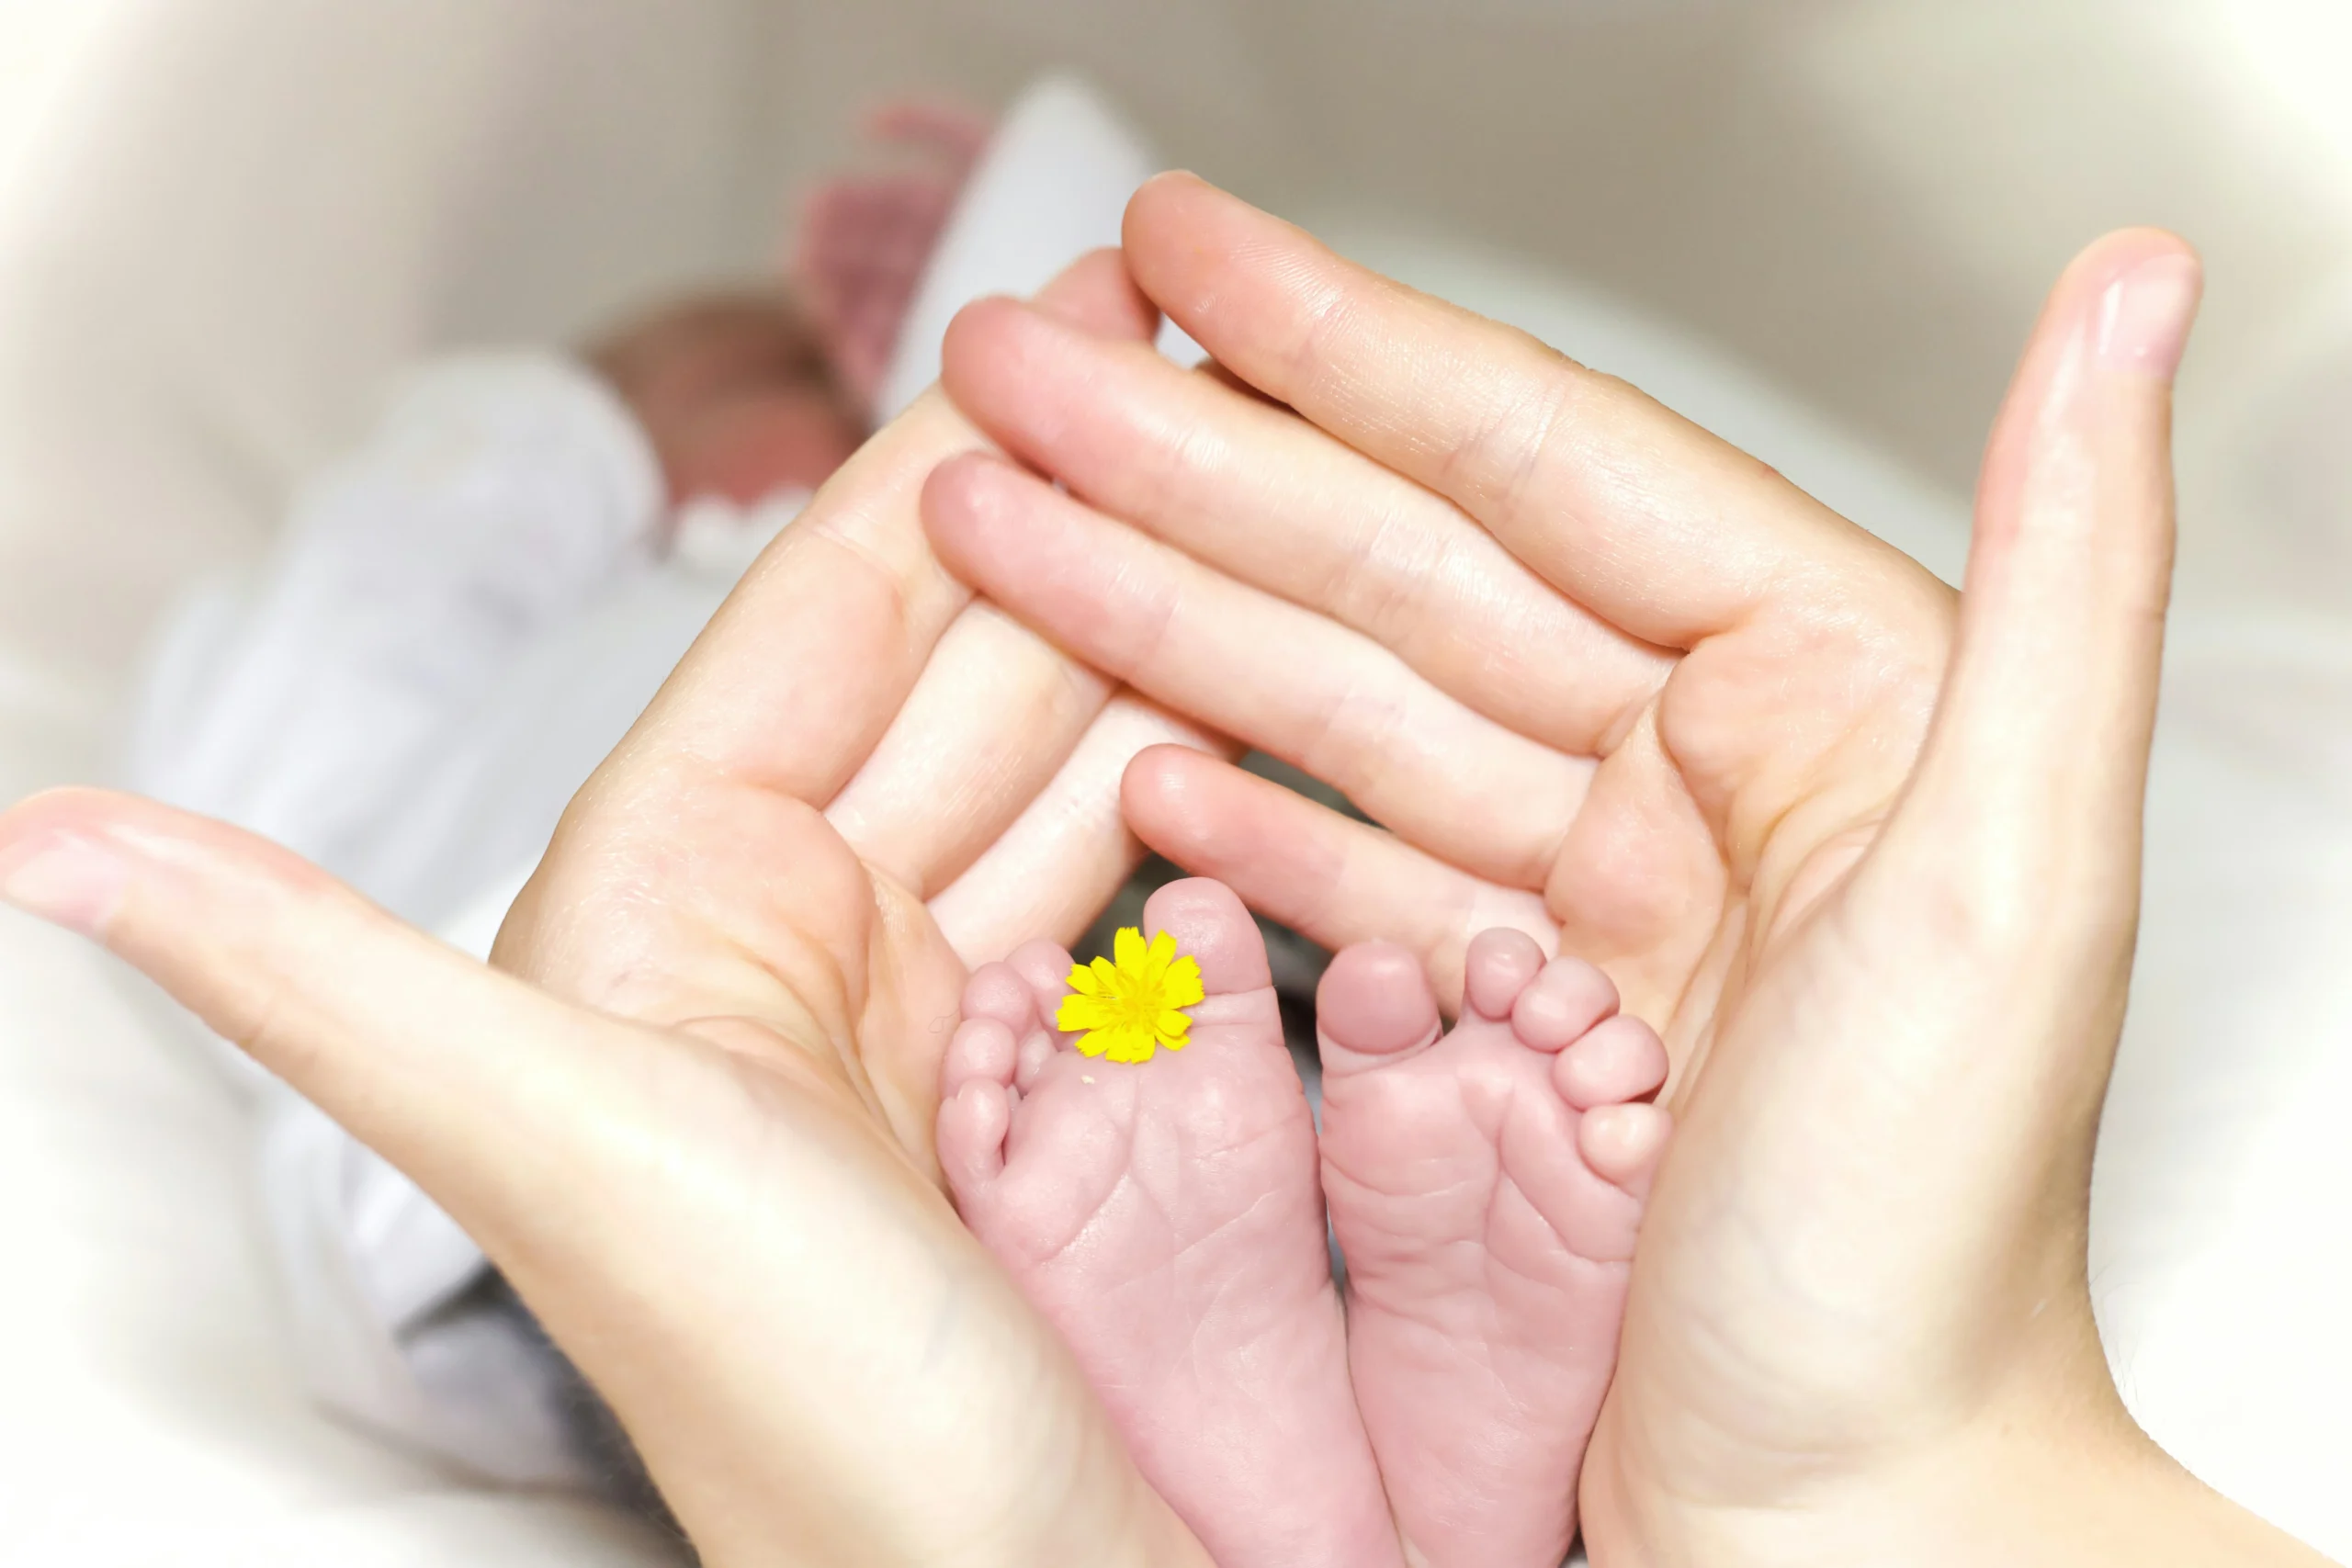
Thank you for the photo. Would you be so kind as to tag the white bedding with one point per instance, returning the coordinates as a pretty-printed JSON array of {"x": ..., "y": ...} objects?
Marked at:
[{"x": 246, "y": 212}]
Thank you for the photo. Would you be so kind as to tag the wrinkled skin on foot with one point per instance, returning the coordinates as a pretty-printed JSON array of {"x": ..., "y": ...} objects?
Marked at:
[
  {"x": 1605, "y": 679},
  {"x": 1164, "y": 1216},
  {"x": 1485, "y": 1184}
]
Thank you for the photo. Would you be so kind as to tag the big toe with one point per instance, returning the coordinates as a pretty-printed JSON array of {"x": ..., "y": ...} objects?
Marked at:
[
  {"x": 1372, "y": 1003},
  {"x": 1212, "y": 926}
]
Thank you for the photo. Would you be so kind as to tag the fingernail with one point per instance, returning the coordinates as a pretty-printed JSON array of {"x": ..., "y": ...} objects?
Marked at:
[
  {"x": 2145, "y": 316},
  {"x": 71, "y": 881}
]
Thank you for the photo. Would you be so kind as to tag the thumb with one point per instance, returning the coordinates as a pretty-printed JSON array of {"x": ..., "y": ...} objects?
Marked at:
[
  {"x": 2029, "y": 791},
  {"x": 426, "y": 1056}
]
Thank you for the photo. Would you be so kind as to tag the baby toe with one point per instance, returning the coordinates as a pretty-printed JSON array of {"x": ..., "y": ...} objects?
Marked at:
[
  {"x": 1618, "y": 1059},
  {"x": 1211, "y": 926},
  {"x": 1562, "y": 1004},
  {"x": 1003, "y": 993},
  {"x": 973, "y": 1122},
  {"x": 1373, "y": 1003},
  {"x": 1215, "y": 929},
  {"x": 1043, "y": 968},
  {"x": 1037, "y": 1048},
  {"x": 981, "y": 1049},
  {"x": 1499, "y": 965},
  {"x": 1622, "y": 1144}
]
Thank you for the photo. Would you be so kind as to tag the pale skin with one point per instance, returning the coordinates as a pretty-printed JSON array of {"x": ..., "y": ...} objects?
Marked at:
[
  {"x": 711, "y": 1051},
  {"x": 624, "y": 1164},
  {"x": 1890, "y": 956},
  {"x": 1167, "y": 1216}
]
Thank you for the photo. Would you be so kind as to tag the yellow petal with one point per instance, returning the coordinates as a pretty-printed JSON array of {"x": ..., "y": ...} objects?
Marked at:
[
  {"x": 1106, "y": 978},
  {"x": 1084, "y": 981},
  {"x": 1094, "y": 1041},
  {"x": 1130, "y": 1045},
  {"x": 1172, "y": 1029},
  {"x": 1129, "y": 949},
  {"x": 1160, "y": 956},
  {"x": 1182, "y": 988},
  {"x": 1083, "y": 1012}
]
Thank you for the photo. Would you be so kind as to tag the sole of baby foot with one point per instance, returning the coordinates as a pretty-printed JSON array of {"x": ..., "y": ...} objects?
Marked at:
[
  {"x": 1165, "y": 1216},
  {"x": 1486, "y": 1186}
]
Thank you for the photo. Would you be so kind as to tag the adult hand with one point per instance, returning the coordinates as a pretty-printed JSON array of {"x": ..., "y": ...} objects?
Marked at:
[
  {"x": 1598, "y": 674},
  {"x": 850, "y": 693},
  {"x": 1598, "y": 671},
  {"x": 700, "y": 1146}
]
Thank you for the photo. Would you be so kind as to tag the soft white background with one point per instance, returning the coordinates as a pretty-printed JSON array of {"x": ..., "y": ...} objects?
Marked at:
[{"x": 1822, "y": 225}]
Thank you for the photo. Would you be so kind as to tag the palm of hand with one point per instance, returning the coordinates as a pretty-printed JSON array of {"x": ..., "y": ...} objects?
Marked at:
[
  {"x": 1711, "y": 866},
  {"x": 742, "y": 915},
  {"x": 1472, "y": 605},
  {"x": 1749, "y": 785},
  {"x": 858, "y": 777}
]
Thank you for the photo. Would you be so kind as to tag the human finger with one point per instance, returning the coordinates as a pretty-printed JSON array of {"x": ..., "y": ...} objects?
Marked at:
[
  {"x": 2029, "y": 785},
  {"x": 1266, "y": 497},
  {"x": 1659, "y": 526},
  {"x": 1056, "y": 867},
  {"x": 1328, "y": 877},
  {"x": 427, "y": 1057},
  {"x": 991, "y": 719},
  {"x": 994, "y": 715},
  {"x": 805, "y": 664},
  {"x": 1264, "y": 671}
]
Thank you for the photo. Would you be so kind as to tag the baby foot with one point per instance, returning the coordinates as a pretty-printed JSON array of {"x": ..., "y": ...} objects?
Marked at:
[
  {"x": 1485, "y": 1187},
  {"x": 1164, "y": 1216}
]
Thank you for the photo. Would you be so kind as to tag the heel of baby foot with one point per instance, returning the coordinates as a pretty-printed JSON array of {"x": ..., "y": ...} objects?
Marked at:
[
  {"x": 1623, "y": 1143},
  {"x": 1374, "y": 1006}
]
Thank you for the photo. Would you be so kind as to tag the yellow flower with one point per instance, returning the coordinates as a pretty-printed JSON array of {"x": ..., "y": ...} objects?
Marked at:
[{"x": 1128, "y": 1009}]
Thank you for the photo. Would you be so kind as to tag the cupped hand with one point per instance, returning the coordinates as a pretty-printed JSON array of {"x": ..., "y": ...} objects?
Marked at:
[
  {"x": 698, "y": 1141},
  {"x": 1594, "y": 672},
  {"x": 1592, "y": 669},
  {"x": 851, "y": 695}
]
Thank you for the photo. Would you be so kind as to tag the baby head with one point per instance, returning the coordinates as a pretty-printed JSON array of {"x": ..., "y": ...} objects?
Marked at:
[{"x": 735, "y": 394}]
